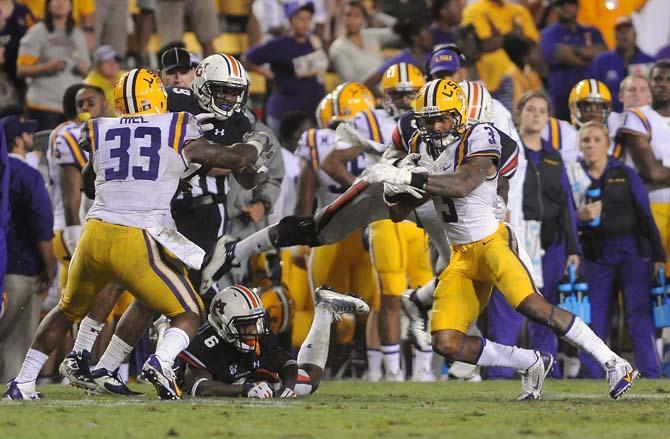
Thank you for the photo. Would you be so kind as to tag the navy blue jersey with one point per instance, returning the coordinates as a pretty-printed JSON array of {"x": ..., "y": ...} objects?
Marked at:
[
  {"x": 225, "y": 132},
  {"x": 225, "y": 362}
]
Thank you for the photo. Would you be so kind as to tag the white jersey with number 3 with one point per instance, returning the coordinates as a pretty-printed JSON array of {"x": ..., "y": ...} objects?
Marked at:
[
  {"x": 138, "y": 162},
  {"x": 470, "y": 218}
]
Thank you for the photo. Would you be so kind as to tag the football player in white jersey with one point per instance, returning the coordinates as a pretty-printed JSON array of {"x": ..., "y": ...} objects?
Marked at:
[
  {"x": 127, "y": 232},
  {"x": 458, "y": 172}
]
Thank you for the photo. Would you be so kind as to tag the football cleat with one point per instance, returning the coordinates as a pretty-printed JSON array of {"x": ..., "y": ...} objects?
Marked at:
[
  {"x": 423, "y": 376},
  {"x": 373, "y": 376},
  {"x": 218, "y": 263},
  {"x": 341, "y": 303},
  {"x": 397, "y": 377},
  {"x": 162, "y": 378},
  {"x": 76, "y": 367},
  {"x": 418, "y": 320},
  {"x": 110, "y": 382},
  {"x": 533, "y": 378},
  {"x": 620, "y": 375},
  {"x": 22, "y": 391}
]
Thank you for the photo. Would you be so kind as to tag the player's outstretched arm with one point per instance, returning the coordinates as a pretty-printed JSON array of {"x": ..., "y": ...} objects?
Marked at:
[
  {"x": 235, "y": 157},
  {"x": 649, "y": 167},
  {"x": 88, "y": 179},
  {"x": 335, "y": 164},
  {"x": 200, "y": 382},
  {"x": 467, "y": 178}
]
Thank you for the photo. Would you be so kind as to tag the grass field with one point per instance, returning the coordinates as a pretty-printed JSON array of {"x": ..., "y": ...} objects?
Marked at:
[{"x": 569, "y": 409}]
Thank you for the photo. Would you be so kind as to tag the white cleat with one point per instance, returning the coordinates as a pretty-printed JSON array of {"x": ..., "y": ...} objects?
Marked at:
[
  {"x": 620, "y": 375},
  {"x": 22, "y": 391},
  {"x": 221, "y": 261},
  {"x": 532, "y": 379},
  {"x": 373, "y": 376},
  {"x": 397, "y": 377},
  {"x": 418, "y": 321},
  {"x": 341, "y": 303}
]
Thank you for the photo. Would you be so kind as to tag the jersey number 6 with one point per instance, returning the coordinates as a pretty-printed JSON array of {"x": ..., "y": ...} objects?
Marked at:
[{"x": 151, "y": 151}]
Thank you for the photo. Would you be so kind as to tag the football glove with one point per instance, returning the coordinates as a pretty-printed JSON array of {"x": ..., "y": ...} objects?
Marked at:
[
  {"x": 71, "y": 235},
  {"x": 261, "y": 141},
  {"x": 391, "y": 190},
  {"x": 258, "y": 390},
  {"x": 347, "y": 133},
  {"x": 409, "y": 161},
  {"x": 205, "y": 120},
  {"x": 500, "y": 209},
  {"x": 285, "y": 392},
  {"x": 385, "y": 173}
]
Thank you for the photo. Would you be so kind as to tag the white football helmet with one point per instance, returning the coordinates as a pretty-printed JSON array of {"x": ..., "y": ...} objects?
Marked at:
[
  {"x": 238, "y": 316},
  {"x": 221, "y": 85},
  {"x": 480, "y": 102}
]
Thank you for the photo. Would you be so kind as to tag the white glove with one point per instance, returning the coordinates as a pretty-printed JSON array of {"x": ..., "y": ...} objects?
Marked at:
[
  {"x": 391, "y": 190},
  {"x": 261, "y": 141},
  {"x": 500, "y": 209},
  {"x": 70, "y": 237},
  {"x": 205, "y": 120},
  {"x": 347, "y": 133},
  {"x": 260, "y": 390},
  {"x": 286, "y": 393},
  {"x": 409, "y": 161},
  {"x": 385, "y": 173}
]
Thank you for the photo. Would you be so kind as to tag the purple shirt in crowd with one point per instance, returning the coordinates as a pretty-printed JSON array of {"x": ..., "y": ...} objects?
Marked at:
[
  {"x": 290, "y": 92},
  {"x": 610, "y": 68},
  {"x": 31, "y": 220},
  {"x": 664, "y": 53},
  {"x": 563, "y": 77}
]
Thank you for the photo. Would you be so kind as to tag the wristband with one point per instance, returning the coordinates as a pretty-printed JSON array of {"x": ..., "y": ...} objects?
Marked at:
[
  {"x": 391, "y": 199},
  {"x": 418, "y": 180}
]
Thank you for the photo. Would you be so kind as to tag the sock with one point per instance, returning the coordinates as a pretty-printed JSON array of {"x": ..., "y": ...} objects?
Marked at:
[
  {"x": 495, "y": 354},
  {"x": 391, "y": 353},
  {"x": 254, "y": 244},
  {"x": 88, "y": 332},
  {"x": 115, "y": 354},
  {"x": 424, "y": 294},
  {"x": 423, "y": 360},
  {"x": 314, "y": 349},
  {"x": 31, "y": 367},
  {"x": 375, "y": 361},
  {"x": 174, "y": 341},
  {"x": 581, "y": 336},
  {"x": 124, "y": 370}
]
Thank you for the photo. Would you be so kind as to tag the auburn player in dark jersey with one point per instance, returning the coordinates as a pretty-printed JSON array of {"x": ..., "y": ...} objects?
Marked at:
[{"x": 235, "y": 354}]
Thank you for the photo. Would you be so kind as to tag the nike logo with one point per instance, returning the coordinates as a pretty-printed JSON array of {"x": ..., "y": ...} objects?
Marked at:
[{"x": 486, "y": 242}]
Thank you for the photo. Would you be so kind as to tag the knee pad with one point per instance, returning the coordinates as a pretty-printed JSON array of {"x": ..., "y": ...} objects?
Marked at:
[{"x": 297, "y": 230}]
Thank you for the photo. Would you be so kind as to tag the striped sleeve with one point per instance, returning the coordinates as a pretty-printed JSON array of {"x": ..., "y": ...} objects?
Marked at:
[
  {"x": 482, "y": 140},
  {"x": 367, "y": 124},
  {"x": 183, "y": 128},
  {"x": 635, "y": 121},
  {"x": 67, "y": 150},
  {"x": 307, "y": 148},
  {"x": 509, "y": 156}
]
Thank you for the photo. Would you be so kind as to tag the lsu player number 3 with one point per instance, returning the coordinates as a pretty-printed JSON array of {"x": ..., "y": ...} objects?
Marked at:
[
  {"x": 136, "y": 162},
  {"x": 457, "y": 170}
]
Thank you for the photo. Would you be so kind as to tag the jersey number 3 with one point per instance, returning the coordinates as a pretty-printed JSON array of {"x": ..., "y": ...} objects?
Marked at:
[{"x": 121, "y": 152}]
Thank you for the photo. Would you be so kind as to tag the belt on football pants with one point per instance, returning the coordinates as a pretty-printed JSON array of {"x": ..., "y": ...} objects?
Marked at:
[{"x": 194, "y": 203}]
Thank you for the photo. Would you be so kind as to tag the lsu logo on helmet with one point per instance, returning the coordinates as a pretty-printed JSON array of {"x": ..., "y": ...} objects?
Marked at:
[
  {"x": 349, "y": 98},
  {"x": 140, "y": 91},
  {"x": 400, "y": 82}
]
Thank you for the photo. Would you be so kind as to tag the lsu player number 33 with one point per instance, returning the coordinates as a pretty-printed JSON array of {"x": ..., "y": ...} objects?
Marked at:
[
  {"x": 457, "y": 170},
  {"x": 136, "y": 162}
]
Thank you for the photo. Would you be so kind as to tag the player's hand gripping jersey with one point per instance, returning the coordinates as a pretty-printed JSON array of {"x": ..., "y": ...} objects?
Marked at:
[{"x": 138, "y": 161}]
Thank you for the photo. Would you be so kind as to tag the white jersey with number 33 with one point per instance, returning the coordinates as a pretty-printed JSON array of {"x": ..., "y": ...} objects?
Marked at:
[
  {"x": 138, "y": 161},
  {"x": 470, "y": 218}
]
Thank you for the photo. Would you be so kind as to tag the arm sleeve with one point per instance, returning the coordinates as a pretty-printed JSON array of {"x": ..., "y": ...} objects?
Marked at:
[
  {"x": 634, "y": 121},
  {"x": 262, "y": 53},
  {"x": 67, "y": 150},
  {"x": 509, "y": 156},
  {"x": 307, "y": 149},
  {"x": 184, "y": 128},
  {"x": 41, "y": 217},
  {"x": 29, "y": 47},
  {"x": 483, "y": 140},
  {"x": 642, "y": 197}
]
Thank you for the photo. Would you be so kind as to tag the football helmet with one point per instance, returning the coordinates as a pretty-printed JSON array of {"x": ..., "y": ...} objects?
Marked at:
[
  {"x": 221, "y": 85},
  {"x": 349, "y": 98},
  {"x": 140, "y": 91},
  {"x": 589, "y": 100},
  {"x": 324, "y": 111},
  {"x": 480, "y": 102},
  {"x": 237, "y": 315},
  {"x": 399, "y": 86},
  {"x": 440, "y": 101},
  {"x": 280, "y": 308}
]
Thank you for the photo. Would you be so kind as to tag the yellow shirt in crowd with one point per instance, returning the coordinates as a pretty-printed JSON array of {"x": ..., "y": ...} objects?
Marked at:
[
  {"x": 603, "y": 13},
  {"x": 79, "y": 7},
  {"x": 484, "y": 13},
  {"x": 96, "y": 79}
]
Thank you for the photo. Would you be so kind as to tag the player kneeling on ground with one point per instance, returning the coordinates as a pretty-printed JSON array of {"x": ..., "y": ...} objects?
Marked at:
[{"x": 235, "y": 354}]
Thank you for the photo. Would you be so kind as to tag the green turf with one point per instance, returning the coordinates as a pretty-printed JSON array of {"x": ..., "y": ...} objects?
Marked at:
[{"x": 579, "y": 409}]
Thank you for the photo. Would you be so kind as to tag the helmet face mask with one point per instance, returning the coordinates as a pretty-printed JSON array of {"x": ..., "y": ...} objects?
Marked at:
[
  {"x": 592, "y": 110},
  {"x": 589, "y": 100},
  {"x": 439, "y": 129},
  {"x": 400, "y": 83},
  {"x": 221, "y": 85},
  {"x": 246, "y": 331},
  {"x": 399, "y": 101}
]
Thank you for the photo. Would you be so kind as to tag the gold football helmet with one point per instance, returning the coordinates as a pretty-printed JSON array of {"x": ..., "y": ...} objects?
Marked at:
[
  {"x": 324, "y": 111},
  {"x": 349, "y": 98},
  {"x": 399, "y": 86},
  {"x": 280, "y": 308},
  {"x": 589, "y": 100},
  {"x": 140, "y": 91},
  {"x": 440, "y": 113}
]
